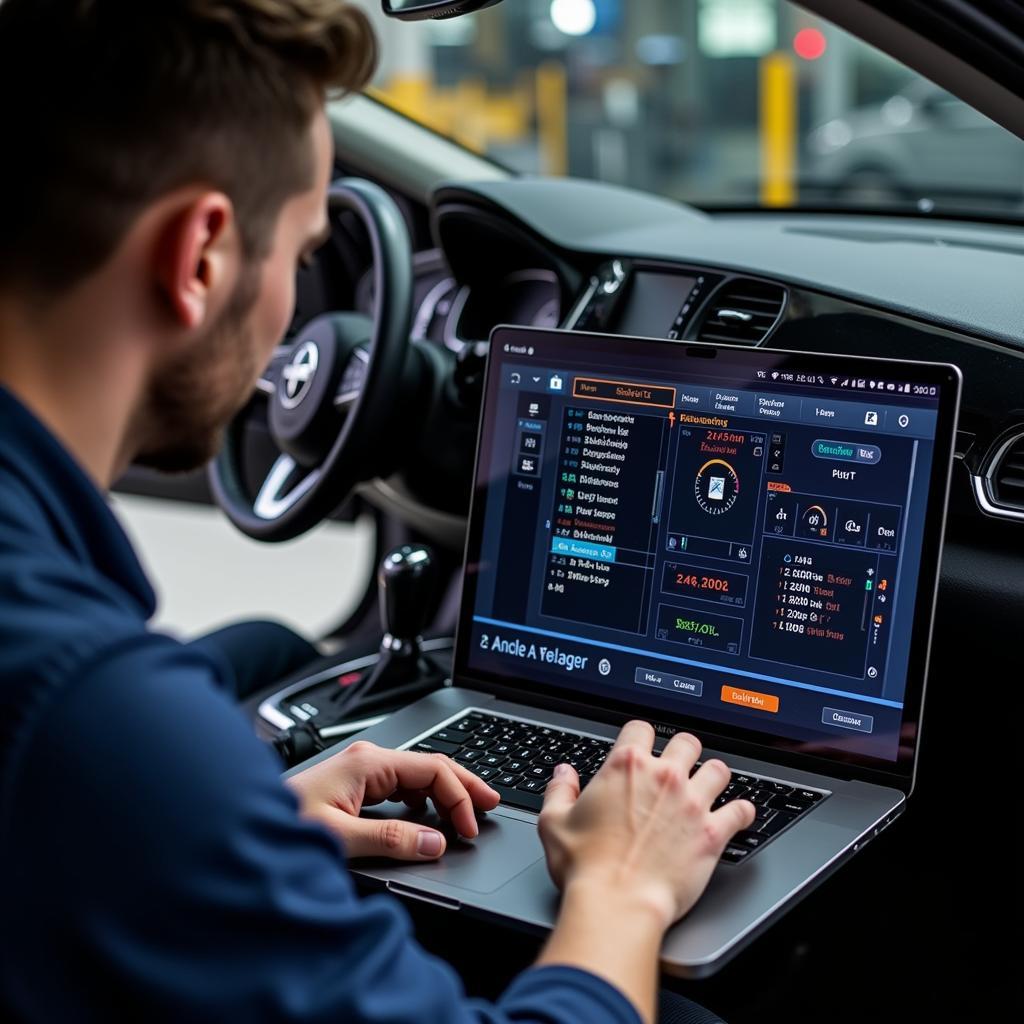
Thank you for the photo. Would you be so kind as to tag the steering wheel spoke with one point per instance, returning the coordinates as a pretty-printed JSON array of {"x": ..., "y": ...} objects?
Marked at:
[
  {"x": 286, "y": 483},
  {"x": 352, "y": 380},
  {"x": 267, "y": 382}
]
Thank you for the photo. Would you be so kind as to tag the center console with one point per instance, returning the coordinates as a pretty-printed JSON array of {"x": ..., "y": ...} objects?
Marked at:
[{"x": 336, "y": 697}]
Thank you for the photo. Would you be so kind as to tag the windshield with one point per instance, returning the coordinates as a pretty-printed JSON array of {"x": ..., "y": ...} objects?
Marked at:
[{"x": 717, "y": 102}]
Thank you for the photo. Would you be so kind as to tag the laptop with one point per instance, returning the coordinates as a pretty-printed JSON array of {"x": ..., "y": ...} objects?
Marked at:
[{"x": 741, "y": 543}]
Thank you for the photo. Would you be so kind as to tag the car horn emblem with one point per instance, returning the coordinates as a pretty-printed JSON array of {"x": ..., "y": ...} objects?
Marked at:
[{"x": 299, "y": 373}]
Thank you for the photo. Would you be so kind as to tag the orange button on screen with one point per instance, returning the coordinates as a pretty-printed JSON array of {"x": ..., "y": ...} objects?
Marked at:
[{"x": 750, "y": 699}]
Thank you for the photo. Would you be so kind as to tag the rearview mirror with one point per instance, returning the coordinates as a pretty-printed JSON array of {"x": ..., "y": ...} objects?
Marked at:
[{"x": 420, "y": 10}]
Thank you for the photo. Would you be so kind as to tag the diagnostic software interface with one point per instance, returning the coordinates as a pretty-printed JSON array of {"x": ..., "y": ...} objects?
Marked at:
[{"x": 722, "y": 538}]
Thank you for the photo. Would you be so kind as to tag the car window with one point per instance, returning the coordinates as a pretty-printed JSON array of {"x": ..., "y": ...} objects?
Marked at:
[
  {"x": 717, "y": 102},
  {"x": 311, "y": 584}
]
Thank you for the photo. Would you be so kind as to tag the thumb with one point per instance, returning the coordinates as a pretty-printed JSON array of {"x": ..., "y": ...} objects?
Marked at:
[
  {"x": 562, "y": 791},
  {"x": 387, "y": 837}
]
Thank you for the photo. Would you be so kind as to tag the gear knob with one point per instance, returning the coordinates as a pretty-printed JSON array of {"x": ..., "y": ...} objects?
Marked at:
[{"x": 406, "y": 581}]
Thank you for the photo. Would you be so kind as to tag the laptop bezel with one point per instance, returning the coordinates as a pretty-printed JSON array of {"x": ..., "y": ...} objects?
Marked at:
[{"x": 899, "y": 774}]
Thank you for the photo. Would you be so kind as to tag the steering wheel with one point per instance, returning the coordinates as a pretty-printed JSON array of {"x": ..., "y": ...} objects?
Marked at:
[{"x": 330, "y": 393}]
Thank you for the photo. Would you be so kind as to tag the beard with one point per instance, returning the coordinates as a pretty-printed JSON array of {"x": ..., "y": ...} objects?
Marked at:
[{"x": 190, "y": 401}]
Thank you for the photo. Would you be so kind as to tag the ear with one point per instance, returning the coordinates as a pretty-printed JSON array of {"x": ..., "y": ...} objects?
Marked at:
[{"x": 198, "y": 258}]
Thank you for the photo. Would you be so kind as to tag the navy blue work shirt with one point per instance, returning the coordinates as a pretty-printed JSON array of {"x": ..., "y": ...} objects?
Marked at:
[{"x": 153, "y": 864}]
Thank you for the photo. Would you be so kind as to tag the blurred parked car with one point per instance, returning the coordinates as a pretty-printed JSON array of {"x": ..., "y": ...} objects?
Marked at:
[{"x": 920, "y": 144}]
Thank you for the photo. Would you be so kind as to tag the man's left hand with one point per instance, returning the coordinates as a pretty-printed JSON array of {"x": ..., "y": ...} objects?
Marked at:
[{"x": 334, "y": 791}]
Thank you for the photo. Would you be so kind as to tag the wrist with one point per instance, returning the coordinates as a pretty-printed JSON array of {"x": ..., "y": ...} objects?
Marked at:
[{"x": 614, "y": 897}]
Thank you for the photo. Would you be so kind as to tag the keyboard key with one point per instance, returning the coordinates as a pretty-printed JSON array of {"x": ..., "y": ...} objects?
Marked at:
[
  {"x": 777, "y": 787},
  {"x": 482, "y": 771},
  {"x": 735, "y": 854},
  {"x": 432, "y": 746},
  {"x": 760, "y": 797},
  {"x": 807, "y": 794},
  {"x": 520, "y": 798},
  {"x": 746, "y": 780},
  {"x": 477, "y": 743},
  {"x": 465, "y": 724},
  {"x": 517, "y": 766},
  {"x": 509, "y": 780},
  {"x": 494, "y": 760},
  {"x": 775, "y": 824},
  {"x": 532, "y": 786},
  {"x": 789, "y": 804},
  {"x": 751, "y": 839},
  {"x": 450, "y": 736},
  {"x": 524, "y": 754},
  {"x": 502, "y": 749},
  {"x": 540, "y": 771},
  {"x": 468, "y": 756}
]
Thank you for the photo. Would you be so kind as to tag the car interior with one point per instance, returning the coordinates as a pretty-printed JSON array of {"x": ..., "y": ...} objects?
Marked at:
[{"x": 599, "y": 210}]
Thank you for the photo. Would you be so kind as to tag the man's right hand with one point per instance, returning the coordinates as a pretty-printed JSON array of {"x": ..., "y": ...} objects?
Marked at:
[{"x": 644, "y": 827}]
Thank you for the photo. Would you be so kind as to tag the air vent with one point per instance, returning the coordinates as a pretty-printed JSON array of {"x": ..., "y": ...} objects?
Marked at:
[
  {"x": 1007, "y": 475},
  {"x": 742, "y": 312}
]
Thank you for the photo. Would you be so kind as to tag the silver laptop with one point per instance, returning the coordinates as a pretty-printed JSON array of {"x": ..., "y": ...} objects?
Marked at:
[{"x": 741, "y": 543}]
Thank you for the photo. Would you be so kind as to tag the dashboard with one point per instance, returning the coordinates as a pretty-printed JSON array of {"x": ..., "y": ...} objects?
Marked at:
[
  {"x": 459, "y": 316},
  {"x": 587, "y": 256},
  {"x": 541, "y": 252}
]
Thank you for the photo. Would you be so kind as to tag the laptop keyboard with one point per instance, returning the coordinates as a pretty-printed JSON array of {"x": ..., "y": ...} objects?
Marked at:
[{"x": 517, "y": 758}]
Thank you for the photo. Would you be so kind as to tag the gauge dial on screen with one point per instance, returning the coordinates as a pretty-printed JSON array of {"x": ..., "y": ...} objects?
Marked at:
[{"x": 717, "y": 487}]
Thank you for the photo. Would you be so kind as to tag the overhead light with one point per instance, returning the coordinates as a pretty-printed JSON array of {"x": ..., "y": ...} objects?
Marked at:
[{"x": 574, "y": 17}]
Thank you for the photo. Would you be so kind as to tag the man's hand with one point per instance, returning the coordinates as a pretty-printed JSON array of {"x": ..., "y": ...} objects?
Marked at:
[
  {"x": 644, "y": 827},
  {"x": 632, "y": 855},
  {"x": 334, "y": 791}
]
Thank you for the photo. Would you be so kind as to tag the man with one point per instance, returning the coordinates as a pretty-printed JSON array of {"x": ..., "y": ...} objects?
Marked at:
[{"x": 165, "y": 171}]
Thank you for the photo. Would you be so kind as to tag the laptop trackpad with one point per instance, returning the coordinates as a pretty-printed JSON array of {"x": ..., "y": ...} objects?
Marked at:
[{"x": 505, "y": 847}]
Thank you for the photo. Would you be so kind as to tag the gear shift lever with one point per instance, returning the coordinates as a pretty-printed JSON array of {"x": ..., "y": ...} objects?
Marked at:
[{"x": 405, "y": 580}]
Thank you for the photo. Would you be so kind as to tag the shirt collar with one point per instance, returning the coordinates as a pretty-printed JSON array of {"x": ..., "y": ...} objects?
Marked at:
[{"x": 73, "y": 508}]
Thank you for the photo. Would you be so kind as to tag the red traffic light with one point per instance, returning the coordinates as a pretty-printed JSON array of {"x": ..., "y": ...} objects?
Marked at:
[{"x": 810, "y": 43}]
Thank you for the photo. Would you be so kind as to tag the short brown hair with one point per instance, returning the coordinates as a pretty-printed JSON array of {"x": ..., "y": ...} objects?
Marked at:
[{"x": 109, "y": 104}]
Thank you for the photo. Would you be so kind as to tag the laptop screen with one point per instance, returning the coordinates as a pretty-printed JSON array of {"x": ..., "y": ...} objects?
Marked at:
[{"x": 740, "y": 541}]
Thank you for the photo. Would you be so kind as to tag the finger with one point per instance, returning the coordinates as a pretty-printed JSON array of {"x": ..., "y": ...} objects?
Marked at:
[
  {"x": 412, "y": 797},
  {"x": 385, "y": 837},
  {"x": 484, "y": 797},
  {"x": 436, "y": 774},
  {"x": 733, "y": 817},
  {"x": 452, "y": 797},
  {"x": 710, "y": 779},
  {"x": 562, "y": 791},
  {"x": 636, "y": 734},
  {"x": 480, "y": 793},
  {"x": 683, "y": 749}
]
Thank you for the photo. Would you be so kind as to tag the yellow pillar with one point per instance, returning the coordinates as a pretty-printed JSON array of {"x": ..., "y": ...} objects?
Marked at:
[
  {"x": 778, "y": 130},
  {"x": 553, "y": 117}
]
